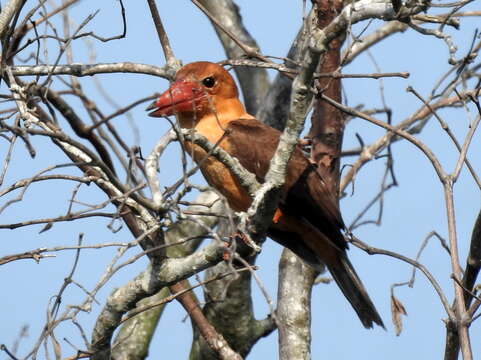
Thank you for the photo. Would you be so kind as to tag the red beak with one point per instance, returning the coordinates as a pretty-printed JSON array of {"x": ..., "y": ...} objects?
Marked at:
[{"x": 182, "y": 96}]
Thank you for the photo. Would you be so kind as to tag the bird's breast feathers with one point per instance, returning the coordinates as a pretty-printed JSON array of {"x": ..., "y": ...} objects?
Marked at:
[{"x": 219, "y": 177}]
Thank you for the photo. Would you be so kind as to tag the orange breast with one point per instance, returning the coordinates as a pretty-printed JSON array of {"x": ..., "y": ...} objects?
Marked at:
[{"x": 219, "y": 177}]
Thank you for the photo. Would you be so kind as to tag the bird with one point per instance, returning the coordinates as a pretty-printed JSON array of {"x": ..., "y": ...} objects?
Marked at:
[{"x": 308, "y": 221}]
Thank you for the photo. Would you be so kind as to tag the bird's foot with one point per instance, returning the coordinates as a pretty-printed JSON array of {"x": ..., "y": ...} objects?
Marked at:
[
  {"x": 227, "y": 241},
  {"x": 247, "y": 240},
  {"x": 237, "y": 239}
]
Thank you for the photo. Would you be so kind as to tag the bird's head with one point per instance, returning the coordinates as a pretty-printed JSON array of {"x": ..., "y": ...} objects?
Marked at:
[{"x": 200, "y": 89}]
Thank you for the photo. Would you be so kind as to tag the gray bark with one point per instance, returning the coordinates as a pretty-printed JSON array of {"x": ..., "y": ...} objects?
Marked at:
[{"x": 294, "y": 307}]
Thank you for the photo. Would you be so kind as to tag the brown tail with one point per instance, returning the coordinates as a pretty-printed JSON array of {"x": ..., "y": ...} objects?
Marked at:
[{"x": 353, "y": 289}]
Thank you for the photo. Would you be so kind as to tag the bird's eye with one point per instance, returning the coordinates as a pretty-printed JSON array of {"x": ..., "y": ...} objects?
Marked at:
[{"x": 208, "y": 82}]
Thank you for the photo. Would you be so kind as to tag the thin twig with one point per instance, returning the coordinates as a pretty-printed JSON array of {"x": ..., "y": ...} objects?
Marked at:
[{"x": 172, "y": 62}]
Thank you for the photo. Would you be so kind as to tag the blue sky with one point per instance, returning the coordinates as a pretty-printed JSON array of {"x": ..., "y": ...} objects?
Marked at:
[{"x": 411, "y": 210}]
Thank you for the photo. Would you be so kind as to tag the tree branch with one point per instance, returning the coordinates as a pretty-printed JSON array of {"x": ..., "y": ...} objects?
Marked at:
[
  {"x": 172, "y": 63},
  {"x": 80, "y": 70},
  {"x": 254, "y": 82},
  {"x": 294, "y": 307},
  {"x": 7, "y": 14},
  {"x": 169, "y": 272}
]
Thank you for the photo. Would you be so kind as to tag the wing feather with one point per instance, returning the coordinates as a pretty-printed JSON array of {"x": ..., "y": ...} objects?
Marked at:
[{"x": 305, "y": 194}]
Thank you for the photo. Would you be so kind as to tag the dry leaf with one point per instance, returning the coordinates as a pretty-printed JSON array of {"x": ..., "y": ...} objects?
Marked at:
[
  {"x": 397, "y": 309},
  {"x": 46, "y": 227}
]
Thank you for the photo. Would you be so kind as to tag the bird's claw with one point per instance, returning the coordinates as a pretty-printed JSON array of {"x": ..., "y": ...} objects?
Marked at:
[
  {"x": 247, "y": 240},
  {"x": 227, "y": 241}
]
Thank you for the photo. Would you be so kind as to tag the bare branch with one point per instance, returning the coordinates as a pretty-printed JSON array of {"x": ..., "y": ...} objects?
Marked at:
[
  {"x": 170, "y": 272},
  {"x": 396, "y": 130},
  {"x": 8, "y": 12},
  {"x": 375, "y": 251},
  {"x": 151, "y": 165},
  {"x": 253, "y": 82},
  {"x": 172, "y": 63},
  {"x": 81, "y": 70},
  {"x": 294, "y": 307}
]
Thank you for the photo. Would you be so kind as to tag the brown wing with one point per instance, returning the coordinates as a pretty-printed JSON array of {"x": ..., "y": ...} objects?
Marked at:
[{"x": 305, "y": 194}]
